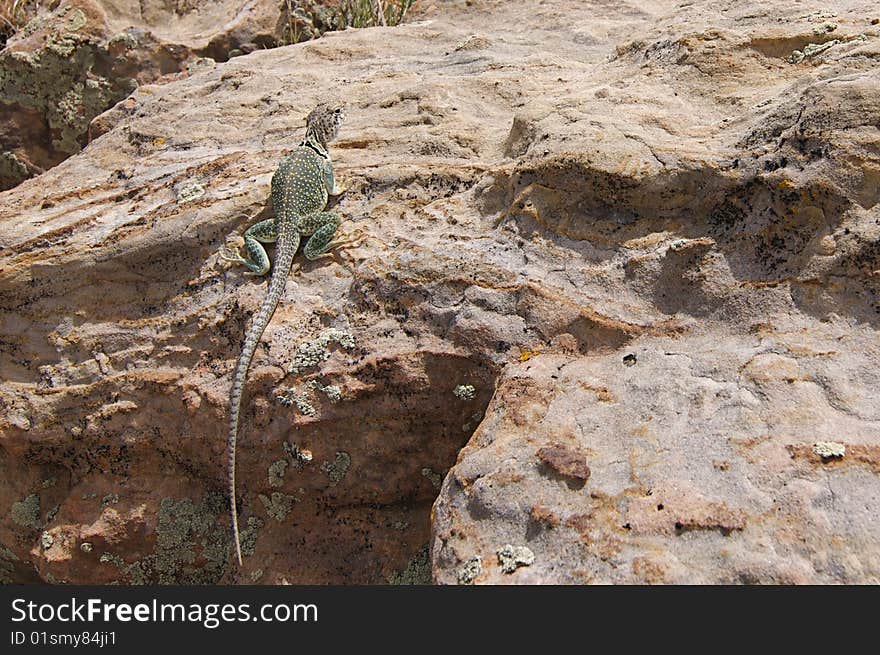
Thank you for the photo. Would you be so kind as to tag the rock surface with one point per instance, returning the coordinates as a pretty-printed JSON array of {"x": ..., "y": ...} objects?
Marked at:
[
  {"x": 77, "y": 58},
  {"x": 646, "y": 237}
]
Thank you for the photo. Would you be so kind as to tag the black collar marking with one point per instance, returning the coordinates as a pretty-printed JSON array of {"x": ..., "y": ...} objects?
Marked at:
[{"x": 309, "y": 144}]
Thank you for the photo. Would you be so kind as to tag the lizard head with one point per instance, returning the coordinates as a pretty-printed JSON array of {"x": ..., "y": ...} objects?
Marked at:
[{"x": 322, "y": 123}]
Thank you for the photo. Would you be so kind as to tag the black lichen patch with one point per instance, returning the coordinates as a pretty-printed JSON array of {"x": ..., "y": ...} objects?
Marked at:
[{"x": 767, "y": 225}]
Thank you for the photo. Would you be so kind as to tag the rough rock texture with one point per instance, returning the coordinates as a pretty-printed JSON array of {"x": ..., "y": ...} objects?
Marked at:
[
  {"x": 77, "y": 58},
  {"x": 645, "y": 234}
]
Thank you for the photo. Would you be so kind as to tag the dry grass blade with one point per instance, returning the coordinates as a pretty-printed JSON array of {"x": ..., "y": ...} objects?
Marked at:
[
  {"x": 14, "y": 14},
  {"x": 303, "y": 23}
]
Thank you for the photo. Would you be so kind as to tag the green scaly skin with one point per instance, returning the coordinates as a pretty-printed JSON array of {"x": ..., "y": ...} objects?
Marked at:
[{"x": 300, "y": 189}]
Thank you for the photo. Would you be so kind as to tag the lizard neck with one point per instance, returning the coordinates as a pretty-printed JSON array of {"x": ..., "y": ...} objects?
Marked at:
[{"x": 315, "y": 143}]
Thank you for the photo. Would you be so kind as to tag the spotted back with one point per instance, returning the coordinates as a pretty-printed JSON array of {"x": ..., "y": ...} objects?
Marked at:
[{"x": 323, "y": 122}]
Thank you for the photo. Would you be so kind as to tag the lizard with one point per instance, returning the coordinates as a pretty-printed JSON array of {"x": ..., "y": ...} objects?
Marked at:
[{"x": 301, "y": 187}]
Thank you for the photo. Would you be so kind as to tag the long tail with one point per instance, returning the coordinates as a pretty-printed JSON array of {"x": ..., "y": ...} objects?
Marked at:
[{"x": 286, "y": 249}]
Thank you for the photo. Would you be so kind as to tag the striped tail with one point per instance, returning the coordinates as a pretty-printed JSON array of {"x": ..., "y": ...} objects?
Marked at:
[{"x": 286, "y": 248}]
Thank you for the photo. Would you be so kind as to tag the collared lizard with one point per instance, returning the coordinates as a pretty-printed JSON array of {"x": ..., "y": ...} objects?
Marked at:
[{"x": 301, "y": 187}]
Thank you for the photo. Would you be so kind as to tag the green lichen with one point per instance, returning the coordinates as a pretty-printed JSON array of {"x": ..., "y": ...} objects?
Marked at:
[
  {"x": 110, "y": 558},
  {"x": 825, "y": 28},
  {"x": 77, "y": 21},
  {"x": 470, "y": 570},
  {"x": 26, "y": 513},
  {"x": 417, "y": 571},
  {"x": 189, "y": 192},
  {"x": 276, "y": 473},
  {"x": 337, "y": 469},
  {"x": 109, "y": 499},
  {"x": 48, "y": 482},
  {"x": 54, "y": 81},
  {"x": 465, "y": 391},
  {"x": 304, "y": 406},
  {"x": 12, "y": 170},
  {"x": 829, "y": 449},
  {"x": 7, "y": 565},
  {"x": 128, "y": 39},
  {"x": 182, "y": 528},
  {"x": 510, "y": 558},
  {"x": 249, "y": 535},
  {"x": 278, "y": 506},
  {"x": 436, "y": 479},
  {"x": 301, "y": 400},
  {"x": 311, "y": 353},
  {"x": 333, "y": 392},
  {"x": 192, "y": 544},
  {"x": 61, "y": 83},
  {"x": 46, "y": 540},
  {"x": 811, "y": 50},
  {"x": 138, "y": 573}
]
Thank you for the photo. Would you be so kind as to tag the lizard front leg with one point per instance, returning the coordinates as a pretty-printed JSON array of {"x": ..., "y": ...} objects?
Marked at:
[
  {"x": 257, "y": 260},
  {"x": 333, "y": 188}
]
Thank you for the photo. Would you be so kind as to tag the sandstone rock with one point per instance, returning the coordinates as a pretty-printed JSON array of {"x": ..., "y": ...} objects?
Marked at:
[
  {"x": 71, "y": 63},
  {"x": 644, "y": 238},
  {"x": 701, "y": 472}
]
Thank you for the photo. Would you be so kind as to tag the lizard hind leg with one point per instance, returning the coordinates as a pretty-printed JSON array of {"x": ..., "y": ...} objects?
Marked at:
[
  {"x": 257, "y": 261},
  {"x": 322, "y": 226}
]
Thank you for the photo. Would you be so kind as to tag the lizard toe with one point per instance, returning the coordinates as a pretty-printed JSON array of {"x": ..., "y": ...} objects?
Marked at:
[{"x": 229, "y": 255}]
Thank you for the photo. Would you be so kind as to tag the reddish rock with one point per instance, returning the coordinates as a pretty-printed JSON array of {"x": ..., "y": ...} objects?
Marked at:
[
  {"x": 565, "y": 462},
  {"x": 647, "y": 238}
]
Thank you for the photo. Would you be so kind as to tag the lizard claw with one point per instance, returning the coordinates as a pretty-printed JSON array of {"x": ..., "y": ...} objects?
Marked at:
[
  {"x": 351, "y": 239},
  {"x": 341, "y": 246},
  {"x": 227, "y": 254},
  {"x": 339, "y": 188}
]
